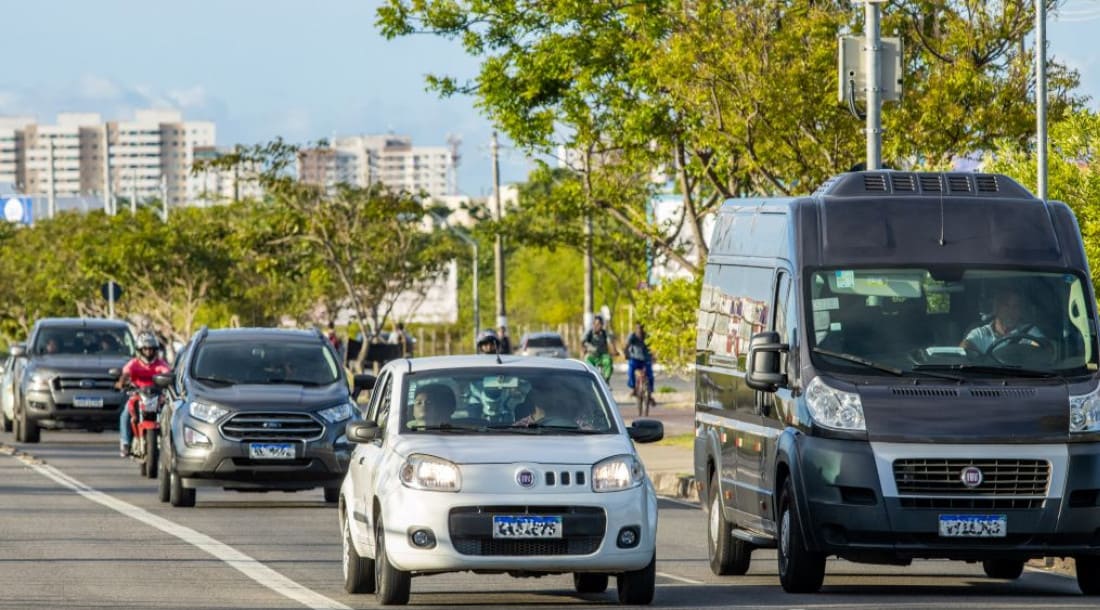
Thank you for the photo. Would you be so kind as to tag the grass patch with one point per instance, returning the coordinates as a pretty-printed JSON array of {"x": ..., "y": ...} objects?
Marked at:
[
  {"x": 666, "y": 389},
  {"x": 685, "y": 440}
]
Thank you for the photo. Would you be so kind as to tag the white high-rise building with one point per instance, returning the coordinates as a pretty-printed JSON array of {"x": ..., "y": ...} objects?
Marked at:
[{"x": 388, "y": 159}]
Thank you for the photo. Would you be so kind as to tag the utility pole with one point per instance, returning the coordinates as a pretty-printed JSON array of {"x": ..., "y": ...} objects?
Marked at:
[
  {"x": 589, "y": 292},
  {"x": 108, "y": 196},
  {"x": 498, "y": 247},
  {"x": 51, "y": 190},
  {"x": 874, "y": 85},
  {"x": 164, "y": 196},
  {"x": 1041, "y": 95}
]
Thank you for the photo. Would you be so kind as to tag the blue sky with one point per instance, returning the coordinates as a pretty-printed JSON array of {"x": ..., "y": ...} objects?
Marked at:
[{"x": 303, "y": 70}]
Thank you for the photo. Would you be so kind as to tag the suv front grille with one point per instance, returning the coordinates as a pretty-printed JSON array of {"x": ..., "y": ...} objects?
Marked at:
[
  {"x": 1000, "y": 477},
  {"x": 261, "y": 426}
]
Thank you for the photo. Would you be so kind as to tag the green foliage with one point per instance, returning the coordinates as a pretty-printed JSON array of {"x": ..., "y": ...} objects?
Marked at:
[{"x": 667, "y": 312}]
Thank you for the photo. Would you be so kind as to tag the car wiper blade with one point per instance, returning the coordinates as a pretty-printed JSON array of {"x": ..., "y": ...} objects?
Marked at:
[
  {"x": 1007, "y": 371},
  {"x": 857, "y": 360},
  {"x": 221, "y": 380},
  {"x": 443, "y": 428},
  {"x": 536, "y": 428},
  {"x": 305, "y": 382}
]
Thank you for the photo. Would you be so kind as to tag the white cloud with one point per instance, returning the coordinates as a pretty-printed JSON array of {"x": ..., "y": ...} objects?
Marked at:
[{"x": 94, "y": 87}]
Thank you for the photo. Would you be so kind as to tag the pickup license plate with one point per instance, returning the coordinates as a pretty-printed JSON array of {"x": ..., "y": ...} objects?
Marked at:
[
  {"x": 526, "y": 526},
  {"x": 87, "y": 402},
  {"x": 271, "y": 451},
  {"x": 973, "y": 526}
]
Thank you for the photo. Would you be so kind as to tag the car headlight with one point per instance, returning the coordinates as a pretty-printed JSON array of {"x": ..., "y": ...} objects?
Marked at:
[
  {"x": 430, "y": 473},
  {"x": 1084, "y": 412},
  {"x": 833, "y": 408},
  {"x": 194, "y": 438},
  {"x": 38, "y": 382},
  {"x": 207, "y": 412},
  {"x": 617, "y": 473},
  {"x": 338, "y": 413}
]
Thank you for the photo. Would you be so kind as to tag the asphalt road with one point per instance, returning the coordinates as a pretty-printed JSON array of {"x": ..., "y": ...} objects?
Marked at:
[{"x": 80, "y": 529}]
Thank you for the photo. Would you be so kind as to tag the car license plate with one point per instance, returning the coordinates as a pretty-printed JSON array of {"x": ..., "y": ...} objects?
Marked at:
[
  {"x": 973, "y": 526},
  {"x": 271, "y": 451},
  {"x": 87, "y": 402},
  {"x": 526, "y": 526}
]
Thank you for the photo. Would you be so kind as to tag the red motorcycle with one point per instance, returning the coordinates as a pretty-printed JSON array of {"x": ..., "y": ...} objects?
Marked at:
[{"x": 144, "y": 406}]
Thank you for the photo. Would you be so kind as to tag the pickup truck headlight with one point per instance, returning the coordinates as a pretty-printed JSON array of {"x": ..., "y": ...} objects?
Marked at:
[
  {"x": 833, "y": 408},
  {"x": 430, "y": 473},
  {"x": 207, "y": 412},
  {"x": 617, "y": 473},
  {"x": 1084, "y": 412},
  {"x": 38, "y": 382},
  {"x": 338, "y": 413}
]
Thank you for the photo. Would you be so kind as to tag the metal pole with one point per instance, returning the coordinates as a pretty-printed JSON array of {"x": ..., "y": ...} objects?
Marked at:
[
  {"x": 1041, "y": 95},
  {"x": 498, "y": 247},
  {"x": 164, "y": 197},
  {"x": 874, "y": 102},
  {"x": 51, "y": 191},
  {"x": 589, "y": 293},
  {"x": 477, "y": 301},
  {"x": 108, "y": 196}
]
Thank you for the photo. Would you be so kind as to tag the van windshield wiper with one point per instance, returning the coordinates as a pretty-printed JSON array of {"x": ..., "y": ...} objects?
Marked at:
[
  {"x": 857, "y": 360},
  {"x": 1007, "y": 371}
]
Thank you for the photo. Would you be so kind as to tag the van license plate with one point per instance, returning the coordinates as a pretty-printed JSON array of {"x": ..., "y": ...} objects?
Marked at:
[
  {"x": 526, "y": 526},
  {"x": 271, "y": 451},
  {"x": 973, "y": 526},
  {"x": 87, "y": 402}
]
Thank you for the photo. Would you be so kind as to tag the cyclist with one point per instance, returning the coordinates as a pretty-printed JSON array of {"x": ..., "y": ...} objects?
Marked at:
[
  {"x": 599, "y": 344},
  {"x": 639, "y": 357}
]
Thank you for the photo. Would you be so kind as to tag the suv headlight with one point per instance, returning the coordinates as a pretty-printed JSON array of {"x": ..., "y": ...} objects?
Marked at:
[
  {"x": 430, "y": 473},
  {"x": 338, "y": 413},
  {"x": 1084, "y": 412},
  {"x": 617, "y": 473},
  {"x": 207, "y": 412},
  {"x": 833, "y": 408},
  {"x": 39, "y": 382}
]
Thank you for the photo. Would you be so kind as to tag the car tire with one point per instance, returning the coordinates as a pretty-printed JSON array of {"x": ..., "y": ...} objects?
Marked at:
[
  {"x": 727, "y": 555},
  {"x": 1088, "y": 574},
  {"x": 5, "y": 422},
  {"x": 1007, "y": 569},
  {"x": 589, "y": 583},
  {"x": 332, "y": 495},
  {"x": 392, "y": 586},
  {"x": 636, "y": 588},
  {"x": 800, "y": 571},
  {"x": 163, "y": 489},
  {"x": 178, "y": 495},
  {"x": 151, "y": 454},
  {"x": 27, "y": 431},
  {"x": 358, "y": 571}
]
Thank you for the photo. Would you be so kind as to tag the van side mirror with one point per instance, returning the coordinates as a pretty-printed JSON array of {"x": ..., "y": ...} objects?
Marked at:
[
  {"x": 763, "y": 362},
  {"x": 18, "y": 350},
  {"x": 360, "y": 383},
  {"x": 646, "y": 431},
  {"x": 362, "y": 431}
]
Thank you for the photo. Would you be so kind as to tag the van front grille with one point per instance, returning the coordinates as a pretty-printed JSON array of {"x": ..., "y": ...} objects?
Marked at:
[{"x": 999, "y": 477}]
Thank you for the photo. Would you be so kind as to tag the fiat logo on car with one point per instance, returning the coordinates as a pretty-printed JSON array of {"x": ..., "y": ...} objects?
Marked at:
[
  {"x": 525, "y": 478},
  {"x": 971, "y": 476}
]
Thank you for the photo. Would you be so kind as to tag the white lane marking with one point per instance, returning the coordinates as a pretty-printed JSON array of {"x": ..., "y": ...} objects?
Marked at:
[
  {"x": 243, "y": 563},
  {"x": 688, "y": 581}
]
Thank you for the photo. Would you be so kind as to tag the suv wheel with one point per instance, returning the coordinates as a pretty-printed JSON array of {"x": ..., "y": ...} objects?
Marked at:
[
  {"x": 728, "y": 555},
  {"x": 178, "y": 495},
  {"x": 800, "y": 571},
  {"x": 163, "y": 488},
  {"x": 358, "y": 572},
  {"x": 393, "y": 585}
]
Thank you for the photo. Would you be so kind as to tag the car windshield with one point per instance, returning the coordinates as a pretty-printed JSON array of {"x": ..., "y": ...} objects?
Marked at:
[
  {"x": 923, "y": 321},
  {"x": 265, "y": 361},
  {"x": 546, "y": 341},
  {"x": 511, "y": 401},
  {"x": 84, "y": 340}
]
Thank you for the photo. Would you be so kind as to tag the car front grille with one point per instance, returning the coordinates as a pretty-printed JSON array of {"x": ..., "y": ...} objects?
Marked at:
[
  {"x": 583, "y": 545},
  {"x": 1000, "y": 477},
  {"x": 471, "y": 530},
  {"x": 249, "y": 426}
]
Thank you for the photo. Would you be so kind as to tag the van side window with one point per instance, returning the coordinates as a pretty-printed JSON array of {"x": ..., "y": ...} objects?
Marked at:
[{"x": 742, "y": 310}]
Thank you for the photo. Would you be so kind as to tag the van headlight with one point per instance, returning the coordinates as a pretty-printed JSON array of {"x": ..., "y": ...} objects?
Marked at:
[
  {"x": 833, "y": 408},
  {"x": 617, "y": 473},
  {"x": 338, "y": 413},
  {"x": 1084, "y": 412},
  {"x": 430, "y": 473},
  {"x": 207, "y": 412}
]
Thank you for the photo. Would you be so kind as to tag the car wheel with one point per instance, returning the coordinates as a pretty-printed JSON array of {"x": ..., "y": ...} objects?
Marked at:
[
  {"x": 589, "y": 583},
  {"x": 332, "y": 495},
  {"x": 1088, "y": 574},
  {"x": 28, "y": 431},
  {"x": 358, "y": 572},
  {"x": 7, "y": 423},
  {"x": 151, "y": 454},
  {"x": 800, "y": 571},
  {"x": 636, "y": 588},
  {"x": 163, "y": 488},
  {"x": 393, "y": 585},
  {"x": 1008, "y": 569},
  {"x": 178, "y": 495},
  {"x": 727, "y": 555}
]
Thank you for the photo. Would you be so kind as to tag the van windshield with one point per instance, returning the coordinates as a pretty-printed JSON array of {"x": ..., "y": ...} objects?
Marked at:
[{"x": 952, "y": 318}]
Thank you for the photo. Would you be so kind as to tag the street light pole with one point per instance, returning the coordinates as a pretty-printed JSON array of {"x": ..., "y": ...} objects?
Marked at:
[
  {"x": 1041, "y": 95},
  {"x": 498, "y": 247},
  {"x": 874, "y": 85}
]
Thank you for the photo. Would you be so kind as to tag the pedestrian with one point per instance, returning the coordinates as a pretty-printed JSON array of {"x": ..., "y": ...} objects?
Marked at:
[
  {"x": 335, "y": 341},
  {"x": 505, "y": 342},
  {"x": 401, "y": 339}
]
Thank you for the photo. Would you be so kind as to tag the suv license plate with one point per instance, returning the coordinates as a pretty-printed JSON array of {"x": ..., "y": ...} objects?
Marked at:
[
  {"x": 526, "y": 527},
  {"x": 271, "y": 451},
  {"x": 973, "y": 526},
  {"x": 87, "y": 402}
]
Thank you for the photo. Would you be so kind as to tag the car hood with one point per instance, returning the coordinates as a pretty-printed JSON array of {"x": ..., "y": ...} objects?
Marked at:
[
  {"x": 78, "y": 363},
  {"x": 515, "y": 448},
  {"x": 264, "y": 397}
]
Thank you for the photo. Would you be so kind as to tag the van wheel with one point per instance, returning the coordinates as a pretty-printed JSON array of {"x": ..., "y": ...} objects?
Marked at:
[
  {"x": 1008, "y": 569},
  {"x": 727, "y": 554},
  {"x": 178, "y": 495},
  {"x": 636, "y": 588},
  {"x": 1088, "y": 574},
  {"x": 585, "y": 582},
  {"x": 800, "y": 571},
  {"x": 358, "y": 572},
  {"x": 393, "y": 585}
]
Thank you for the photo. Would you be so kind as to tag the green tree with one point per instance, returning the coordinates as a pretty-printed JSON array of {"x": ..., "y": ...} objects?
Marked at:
[{"x": 664, "y": 310}]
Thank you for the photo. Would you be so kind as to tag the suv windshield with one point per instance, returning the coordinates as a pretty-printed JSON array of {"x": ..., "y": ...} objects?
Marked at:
[
  {"x": 545, "y": 341},
  {"x": 265, "y": 361},
  {"x": 944, "y": 319},
  {"x": 512, "y": 401},
  {"x": 83, "y": 340}
]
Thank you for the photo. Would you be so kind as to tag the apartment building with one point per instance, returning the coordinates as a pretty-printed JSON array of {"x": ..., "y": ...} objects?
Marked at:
[
  {"x": 212, "y": 185},
  {"x": 389, "y": 159}
]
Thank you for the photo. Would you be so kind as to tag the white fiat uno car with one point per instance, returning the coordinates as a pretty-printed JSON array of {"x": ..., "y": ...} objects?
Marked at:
[{"x": 497, "y": 465}]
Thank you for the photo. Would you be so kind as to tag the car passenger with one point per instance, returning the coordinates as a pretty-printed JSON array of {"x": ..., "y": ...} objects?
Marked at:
[{"x": 432, "y": 406}]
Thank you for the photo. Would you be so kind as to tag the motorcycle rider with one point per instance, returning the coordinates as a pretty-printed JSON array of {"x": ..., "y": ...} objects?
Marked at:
[
  {"x": 488, "y": 342},
  {"x": 139, "y": 371}
]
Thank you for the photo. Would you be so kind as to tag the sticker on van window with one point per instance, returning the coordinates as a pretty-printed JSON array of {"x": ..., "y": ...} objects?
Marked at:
[
  {"x": 834, "y": 326},
  {"x": 876, "y": 281},
  {"x": 821, "y": 319},
  {"x": 845, "y": 279},
  {"x": 826, "y": 304}
]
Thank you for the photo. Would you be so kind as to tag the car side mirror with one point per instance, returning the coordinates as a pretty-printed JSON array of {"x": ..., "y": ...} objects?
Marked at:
[
  {"x": 362, "y": 431},
  {"x": 18, "y": 350},
  {"x": 762, "y": 368},
  {"x": 646, "y": 431},
  {"x": 163, "y": 380},
  {"x": 360, "y": 383}
]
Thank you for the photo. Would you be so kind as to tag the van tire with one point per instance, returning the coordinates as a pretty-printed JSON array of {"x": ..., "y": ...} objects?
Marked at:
[
  {"x": 1088, "y": 574},
  {"x": 1007, "y": 569},
  {"x": 727, "y": 555},
  {"x": 800, "y": 570}
]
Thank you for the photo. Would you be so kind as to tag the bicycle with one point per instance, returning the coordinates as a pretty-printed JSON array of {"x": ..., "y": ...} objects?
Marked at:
[{"x": 641, "y": 391}]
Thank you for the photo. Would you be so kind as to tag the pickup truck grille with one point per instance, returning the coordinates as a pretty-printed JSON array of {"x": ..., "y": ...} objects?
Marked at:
[
  {"x": 1000, "y": 477},
  {"x": 264, "y": 425},
  {"x": 83, "y": 383}
]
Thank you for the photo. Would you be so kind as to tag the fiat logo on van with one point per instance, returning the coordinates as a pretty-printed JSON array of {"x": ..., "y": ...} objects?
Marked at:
[
  {"x": 525, "y": 478},
  {"x": 971, "y": 476}
]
